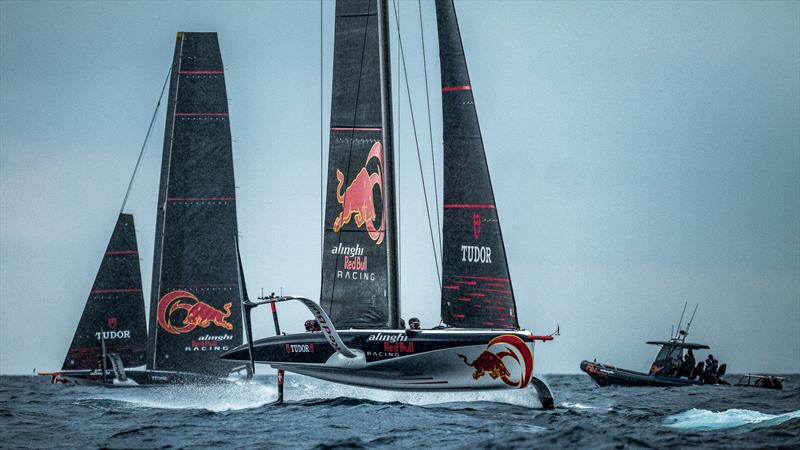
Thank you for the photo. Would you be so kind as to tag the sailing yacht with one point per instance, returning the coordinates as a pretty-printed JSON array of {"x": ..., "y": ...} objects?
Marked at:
[
  {"x": 480, "y": 344},
  {"x": 195, "y": 310}
]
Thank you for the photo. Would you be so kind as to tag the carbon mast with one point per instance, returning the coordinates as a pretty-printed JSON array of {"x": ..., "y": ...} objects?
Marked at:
[{"x": 392, "y": 265}]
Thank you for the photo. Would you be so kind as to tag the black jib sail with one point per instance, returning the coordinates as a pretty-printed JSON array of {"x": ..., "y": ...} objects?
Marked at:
[
  {"x": 476, "y": 285},
  {"x": 114, "y": 311},
  {"x": 354, "y": 272},
  {"x": 194, "y": 307}
]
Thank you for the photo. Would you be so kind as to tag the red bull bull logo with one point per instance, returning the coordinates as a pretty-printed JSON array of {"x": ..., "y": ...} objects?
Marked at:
[
  {"x": 197, "y": 313},
  {"x": 357, "y": 200},
  {"x": 502, "y": 350}
]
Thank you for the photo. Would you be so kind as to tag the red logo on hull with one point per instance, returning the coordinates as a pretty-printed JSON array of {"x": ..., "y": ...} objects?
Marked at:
[
  {"x": 357, "y": 200},
  {"x": 198, "y": 313},
  {"x": 503, "y": 349}
]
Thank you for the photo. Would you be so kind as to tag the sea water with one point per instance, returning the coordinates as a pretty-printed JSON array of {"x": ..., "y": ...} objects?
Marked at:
[{"x": 316, "y": 414}]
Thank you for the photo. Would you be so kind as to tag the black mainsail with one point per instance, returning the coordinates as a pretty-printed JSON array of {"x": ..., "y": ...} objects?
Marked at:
[
  {"x": 194, "y": 307},
  {"x": 114, "y": 311},
  {"x": 357, "y": 284},
  {"x": 476, "y": 285}
]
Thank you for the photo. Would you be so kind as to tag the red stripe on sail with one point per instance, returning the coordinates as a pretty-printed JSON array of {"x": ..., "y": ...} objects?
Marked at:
[
  {"x": 114, "y": 291},
  {"x": 464, "y": 299},
  {"x": 469, "y": 206},
  {"x": 122, "y": 252},
  {"x": 187, "y": 285},
  {"x": 355, "y": 129},
  {"x": 483, "y": 278},
  {"x": 496, "y": 290},
  {"x": 456, "y": 88},
  {"x": 196, "y": 199},
  {"x": 458, "y": 316},
  {"x": 202, "y": 114},
  {"x": 451, "y": 287},
  {"x": 200, "y": 72}
]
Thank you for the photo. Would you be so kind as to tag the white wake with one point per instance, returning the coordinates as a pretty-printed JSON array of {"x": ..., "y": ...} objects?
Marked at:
[
  {"x": 216, "y": 398},
  {"x": 263, "y": 390}
]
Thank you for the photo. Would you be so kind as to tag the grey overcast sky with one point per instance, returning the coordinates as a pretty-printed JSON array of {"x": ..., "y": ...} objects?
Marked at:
[{"x": 643, "y": 154}]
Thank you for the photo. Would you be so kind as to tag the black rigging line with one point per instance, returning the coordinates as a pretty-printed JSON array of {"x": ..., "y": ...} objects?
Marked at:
[
  {"x": 398, "y": 181},
  {"x": 416, "y": 142},
  {"x": 144, "y": 144},
  {"x": 321, "y": 150}
]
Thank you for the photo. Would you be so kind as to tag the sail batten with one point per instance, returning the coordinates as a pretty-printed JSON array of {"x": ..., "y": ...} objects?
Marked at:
[
  {"x": 476, "y": 285},
  {"x": 194, "y": 309},
  {"x": 114, "y": 311}
]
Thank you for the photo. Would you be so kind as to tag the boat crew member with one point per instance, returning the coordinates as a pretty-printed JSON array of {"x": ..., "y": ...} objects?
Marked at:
[
  {"x": 311, "y": 326},
  {"x": 413, "y": 323},
  {"x": 712, "y": 370},
  {"x": 708, "y": 375},
  {"x": 676, "y": 363},
  {"x": 688, "y": 364}
]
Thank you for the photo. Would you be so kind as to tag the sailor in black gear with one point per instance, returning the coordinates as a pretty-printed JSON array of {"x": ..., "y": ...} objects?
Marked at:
[
  {"x": 675, "y": 366},
  {"x": 413, "y": 323},
  {"x": 688, "y": 364},
  {"x": 311, "y": 325},
  {"x": 707, "y": 375},
  {"x": 712, "y": 370}
]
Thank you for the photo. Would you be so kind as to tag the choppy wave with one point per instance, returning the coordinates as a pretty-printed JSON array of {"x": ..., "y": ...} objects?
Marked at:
[
  {"x": 704, "y": 420},
  {"x": 36, "y": 414}
]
